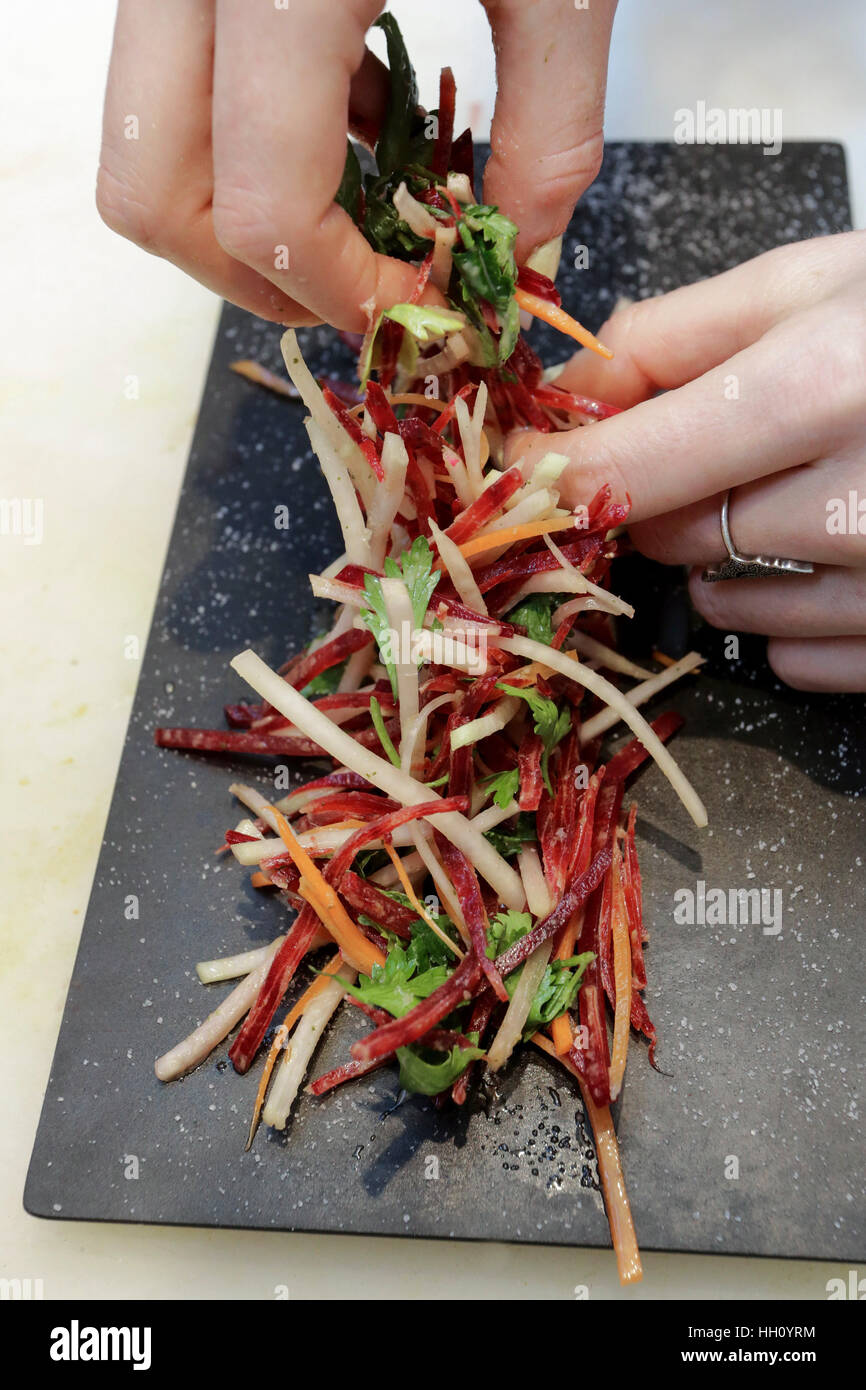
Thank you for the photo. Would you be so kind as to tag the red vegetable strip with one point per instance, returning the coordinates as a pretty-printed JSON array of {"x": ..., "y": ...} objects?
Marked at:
[
  {"x": 484, "y": 508},
  {"x": 420, "y": 286},
  {"x": 347, "y": 1072},
  {"x": 329, "y": 654},
  {"x": 529, "y": 763},
  {"x": 479, "y": 1019},
  {"x": 465, "y": 882},
  {"x": 237, "y": 741},
  {"x": 384, "y": 828},
  {"x": 276, "y": 982},
  {"x": 354, "y": 431},
  {"x": 572, "y": 900},
  {"x": 447, "y": 98},
  {"x": 557, "y": 399},
  {"x": 365, "y": 897},
  {"x": 541, "y": 285},
  {"x": 634, "y": 906},
  {"x": 450, "y": 410},
  {"x": 380, "y": 409}
]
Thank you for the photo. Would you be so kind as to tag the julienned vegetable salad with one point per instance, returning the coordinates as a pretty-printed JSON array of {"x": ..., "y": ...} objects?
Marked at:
[{"x": 465, "y": 872}]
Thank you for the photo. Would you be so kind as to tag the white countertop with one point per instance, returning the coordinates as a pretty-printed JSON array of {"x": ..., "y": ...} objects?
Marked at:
[{"x": 88, "y": 311}]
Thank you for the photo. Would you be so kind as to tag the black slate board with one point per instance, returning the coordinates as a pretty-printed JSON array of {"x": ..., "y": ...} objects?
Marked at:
[{"x": 761, "y": 1035}]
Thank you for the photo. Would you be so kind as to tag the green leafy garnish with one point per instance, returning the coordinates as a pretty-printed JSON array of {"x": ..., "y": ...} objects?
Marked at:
[
  {"x": 422, "y": 322},
  {"x": 428, "y": 1078},
  {"x": 506, "y": 928},
  {"x": 415, "y": 568},
  {"x": 412, "y": 969},
  {"x": 504, "y": 786},
  {"x": 393, "y": 148},
  {"x": 375, "y": 617},
  {"x": 348, "y": 195},
  {"x": 509, "y": 839},
  {"x": 557, "y": 992},
  {"x": 487, "y": 269},
  {"x": 550, "y": 723},
  {"x": 384, "y": 737},
  {"x": 535, "y": 613}
]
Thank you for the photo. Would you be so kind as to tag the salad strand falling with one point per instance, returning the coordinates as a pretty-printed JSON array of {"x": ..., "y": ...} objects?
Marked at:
[{"x": 464, "y": 876}]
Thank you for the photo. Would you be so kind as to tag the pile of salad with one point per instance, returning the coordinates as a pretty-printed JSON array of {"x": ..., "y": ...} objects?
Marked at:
[{"x": 464, "y": 873}]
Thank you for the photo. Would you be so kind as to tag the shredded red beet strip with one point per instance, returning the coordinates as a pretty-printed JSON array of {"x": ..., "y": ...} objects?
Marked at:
[
  {"x": 274, "y": 986},
  {"x": 529, "y": 763},
  {"x": 420, "y": 286},
  {"x": 444, "y": 420},
  {"x": 354, "y": 431},
  {"x": 328, "y": 655},
  {"x": 236, "y": 741},
  {"x": 541, "y": 285},
  {"x": 237, "y": 837},
  {"x": 347, "y": 1072},
  {"x": 557, "y": 399},
  {"x": 479, "y": 1020},
  {"x": 442, "y": 149},
  {"x": 383, "y": 828},
  {"x": 629, "y": 759},
  {"x": 571, "y": 901},
  {"x": 341, "y": 805},
  {"x": 465, "y": 881},
  {"x": 380, "y": 410},
  {"x": 484, "y": 508},
  {"x": 365, "y": 897}
]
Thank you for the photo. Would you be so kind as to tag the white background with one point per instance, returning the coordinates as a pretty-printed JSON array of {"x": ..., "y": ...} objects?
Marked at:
[{"x": 81, "y": 310}]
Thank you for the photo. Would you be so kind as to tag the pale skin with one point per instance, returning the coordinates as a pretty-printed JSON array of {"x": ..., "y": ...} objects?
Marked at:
[{"x": 243, "y": 110}]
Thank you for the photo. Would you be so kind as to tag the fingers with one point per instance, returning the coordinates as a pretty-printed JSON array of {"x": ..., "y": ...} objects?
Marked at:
[
  {"x": 666, "y": 341},
  {"x": 156, "y": 179},
  {"x": 829, "y": 603},
  {"x": 280, "y": 112},
  {"x": 546, "y": 138},
  {"x": 803, "y": 513},
  {"x": 825, "y": 663},
  {"x": 768, "y": 408}
]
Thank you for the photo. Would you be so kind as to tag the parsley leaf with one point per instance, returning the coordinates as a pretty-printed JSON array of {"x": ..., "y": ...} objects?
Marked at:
[
  {"x": 551, "y": 724},
  {"x": 557, "y": 992},
  {"x": 535, "y": 614},
  {"x": 397, "y": 986},
  {"x": 506, "y": 928},
  {"x": 392, "y": 147},
  {"x": 504, "y": 786},
  {"x": 429, "y": 1078},
  {"x": 415, "y": 568},
  {"x": 510, "y": 838},
  {"x": 384, "y": 737},
  {"x": 487, "y": 268},
  {"x": 375, "y": 617}
]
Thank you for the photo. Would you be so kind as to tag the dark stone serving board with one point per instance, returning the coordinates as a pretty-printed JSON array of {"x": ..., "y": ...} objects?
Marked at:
[{"x": 761, "y": 1036}]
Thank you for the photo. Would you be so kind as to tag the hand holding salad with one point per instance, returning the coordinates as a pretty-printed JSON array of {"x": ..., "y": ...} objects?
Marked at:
[{"x": 232, "y": 163}]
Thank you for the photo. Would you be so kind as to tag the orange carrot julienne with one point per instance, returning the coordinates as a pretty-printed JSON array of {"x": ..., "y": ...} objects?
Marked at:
[
  {"x": 559, "y": 319},
  {"x": 356, "y": 948},
  {"x": 509, "y": 534},
  {"x": 282, "y": 1033},
  {"x": 621, "y": 975},
  {"x": 260, "y": 880},
  {"x": 413, "y": 898},
  {"x": 610, "y": 1171}
]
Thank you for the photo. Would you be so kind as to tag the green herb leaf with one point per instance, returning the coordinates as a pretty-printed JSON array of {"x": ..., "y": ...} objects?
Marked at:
[
  {"x": 551, "y": 724},
  {"x": 488, "y": 271},
  {"x": 384, "y": 736},
  {"x": 535, "y": 614},
  {"x": 412, "y": 969},
  {"x": 504, "y": 786},
  {"x": 375, "y": 617},
  {"x": 557, "y": 992},
  {"x": 415, "y": 568},
  {"x": 428, "y": 1078},
  {"x": 393, "y": 146},
  {"x": 509, "y": 839},
  {"x": 506, "y": 928}
]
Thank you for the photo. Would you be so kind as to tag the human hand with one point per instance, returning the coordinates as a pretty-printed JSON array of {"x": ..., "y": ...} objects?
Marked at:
[
  {"x": 242, "y": 113},
  {"x": 764, "y": 370}
]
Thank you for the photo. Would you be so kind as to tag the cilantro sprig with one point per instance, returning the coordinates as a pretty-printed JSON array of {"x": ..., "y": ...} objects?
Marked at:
[{"x": 550, "y": 723}]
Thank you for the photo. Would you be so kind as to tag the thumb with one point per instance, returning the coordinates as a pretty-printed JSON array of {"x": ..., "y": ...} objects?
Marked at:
[{"x": 547, "y": 133}]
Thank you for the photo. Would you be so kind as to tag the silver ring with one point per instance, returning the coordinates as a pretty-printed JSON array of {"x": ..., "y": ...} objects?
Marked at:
[{"x": 739, "y": 566}]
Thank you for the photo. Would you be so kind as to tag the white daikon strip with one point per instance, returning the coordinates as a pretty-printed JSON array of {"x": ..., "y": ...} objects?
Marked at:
[
  {"x": 546, "y": 473},
  {"x": 387, "y": 497},
  {"x": 341, "y": 444},
  {"x": 610, "y": 659},
  {"x": 639, "y": 694},
  {"x": 458, "y": 570},
  {"x": 336, "y": 589},
  {"x": 342, "y": 484},
  {"x": 444, "y": 649},
  {"x": 614, "y": 603},
  {"x": 470, "y": 427},
  {"x": 413, "y": 740},
  {"x": 381, "y": 773},
  {"x": 388, "y": 877},
  {"x": 459, "y": 187},
  {"x": 512, "y": 1025},
  {"x": 494, "y": 815},
  {"x": 419, "y": 217},
  {"x": 486, "y": 724},
  {"x": 591, "y": 680},
  {"x": 203, "y": 1039},
  {"x": 440, "y": 878},
  {"x": 440, "y": 270},
  {"x": 571, "y": 581},
  {"x": 306, "y": 1037},
  {"x": 231, "y": 967},
  {"x": 538, "y": 894}
]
